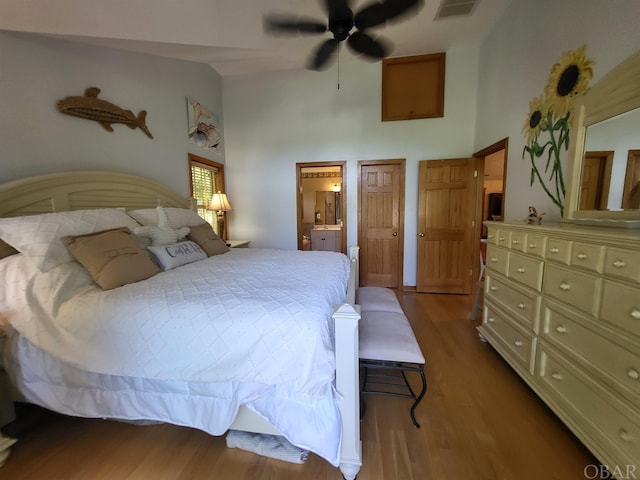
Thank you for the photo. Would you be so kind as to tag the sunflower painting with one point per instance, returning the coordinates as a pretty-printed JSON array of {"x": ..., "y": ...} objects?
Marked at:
[{"x": 549, "y": 117}]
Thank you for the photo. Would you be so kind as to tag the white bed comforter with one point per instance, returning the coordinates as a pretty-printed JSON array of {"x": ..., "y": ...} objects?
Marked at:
[{"x": 248, "y": 327}]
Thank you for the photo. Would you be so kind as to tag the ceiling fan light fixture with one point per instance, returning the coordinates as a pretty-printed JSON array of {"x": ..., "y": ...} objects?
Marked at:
[{"x": 341, "y": 27}]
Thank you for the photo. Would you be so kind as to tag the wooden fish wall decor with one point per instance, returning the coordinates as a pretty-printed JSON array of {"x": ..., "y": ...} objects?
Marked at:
[{"x": 91, "y": 107}]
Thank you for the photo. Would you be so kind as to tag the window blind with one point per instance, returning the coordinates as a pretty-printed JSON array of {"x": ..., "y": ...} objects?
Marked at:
[{"x": 206, "y": 179}]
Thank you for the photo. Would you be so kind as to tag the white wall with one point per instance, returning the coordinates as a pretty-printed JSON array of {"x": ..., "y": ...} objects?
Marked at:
[
  {"x": 515, "y": 62},
  {"x": 271, "y": 121},
  {"x": 35, "y": 72},
  {"x": 274, "y": 120}
]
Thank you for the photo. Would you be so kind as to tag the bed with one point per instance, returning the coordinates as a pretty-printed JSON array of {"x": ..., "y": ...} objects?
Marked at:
[{"x": 167, "y": 348}]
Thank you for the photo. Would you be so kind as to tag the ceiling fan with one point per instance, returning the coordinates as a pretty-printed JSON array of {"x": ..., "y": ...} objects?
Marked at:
[{"x": 341, "y": 24}]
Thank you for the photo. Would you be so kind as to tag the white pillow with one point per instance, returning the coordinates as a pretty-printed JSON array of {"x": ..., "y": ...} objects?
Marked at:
[
  {"x": 172, "y": 256},
  {"x": 163, "y": 233},
  {"x": 178, "y": 217},
  {"x": 38, "y": 237}
]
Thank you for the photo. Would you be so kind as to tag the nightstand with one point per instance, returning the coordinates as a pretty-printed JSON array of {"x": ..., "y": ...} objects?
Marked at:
[{"x": 238, "y": 243}]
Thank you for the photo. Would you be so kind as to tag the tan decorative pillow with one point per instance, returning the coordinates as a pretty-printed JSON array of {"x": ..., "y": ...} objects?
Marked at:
[
  {"x": 112, "y": 257},
  {"x": 211, "y": 243}
]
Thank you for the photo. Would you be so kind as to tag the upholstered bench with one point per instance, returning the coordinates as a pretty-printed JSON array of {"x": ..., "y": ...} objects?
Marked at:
[{"x": 388, "y": 348}]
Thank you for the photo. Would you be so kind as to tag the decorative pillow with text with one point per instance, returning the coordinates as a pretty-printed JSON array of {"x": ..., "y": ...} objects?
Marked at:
[{"x": 172, "y": 256}]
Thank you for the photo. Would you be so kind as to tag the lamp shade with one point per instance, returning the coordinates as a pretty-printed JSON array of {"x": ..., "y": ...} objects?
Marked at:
[{"x": 220, "y": 203}]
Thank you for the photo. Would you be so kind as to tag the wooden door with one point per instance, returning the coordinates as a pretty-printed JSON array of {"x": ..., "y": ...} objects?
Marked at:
[
  {"x": 446, "y": 226},
  {"x": 631, "y": 193},
  {"x": 381, "y": 222},
  {"x": 596, "y": 176}
]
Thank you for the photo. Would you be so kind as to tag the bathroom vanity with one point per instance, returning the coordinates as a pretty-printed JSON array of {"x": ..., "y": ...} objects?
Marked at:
[{"x": 327, "y": 238}]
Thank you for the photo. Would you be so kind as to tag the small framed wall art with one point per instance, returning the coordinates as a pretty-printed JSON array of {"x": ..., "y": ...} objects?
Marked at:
[{"x": 204, "y": 128}]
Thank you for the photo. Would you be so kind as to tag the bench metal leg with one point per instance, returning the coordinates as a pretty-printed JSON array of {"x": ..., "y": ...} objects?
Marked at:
[
  {"x": 384, "y": 384},
  {"x": 419, "y": 397}
]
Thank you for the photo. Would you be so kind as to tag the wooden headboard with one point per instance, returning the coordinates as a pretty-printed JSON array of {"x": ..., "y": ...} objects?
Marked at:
[{"x": 79, "y": 190}]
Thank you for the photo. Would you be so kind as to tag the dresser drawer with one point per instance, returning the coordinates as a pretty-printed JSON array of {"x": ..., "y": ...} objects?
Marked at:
[
  {"x": 573, "y": 288},
  {"x": 492, "y": 235},
  {"x": 518, "y": 241},
  {"x": 497, "y": 259},
  {"x": 503, "y": 238},
  {"x": 587, "y": 256},
  {"x": 524, "y": 304},
  {"x": 621, "y": 307},
  {"x": 515, "y": 339},
  {"x": 622, "y": 264},
  {"x": 525, "y": 270},
  {"x": 620, "y": 367},
  {"x": 599, "y": 414},
  {"x": 536, "y": 245},
  {"x": 558, "y": 250}
]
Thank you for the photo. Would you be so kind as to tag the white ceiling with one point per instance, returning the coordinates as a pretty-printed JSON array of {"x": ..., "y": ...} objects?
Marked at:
[{"x": 228, "y": 34}]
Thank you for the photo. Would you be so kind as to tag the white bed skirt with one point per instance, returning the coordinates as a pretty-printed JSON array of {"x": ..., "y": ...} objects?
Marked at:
[{"x": 211, "y": 407}]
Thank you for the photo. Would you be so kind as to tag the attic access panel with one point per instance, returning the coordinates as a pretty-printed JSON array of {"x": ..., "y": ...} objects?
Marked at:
[{"x": 413, "y": 87}]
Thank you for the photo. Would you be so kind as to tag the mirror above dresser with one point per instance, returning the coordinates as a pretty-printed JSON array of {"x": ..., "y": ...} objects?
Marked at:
[{"x": 604, "y": 155}]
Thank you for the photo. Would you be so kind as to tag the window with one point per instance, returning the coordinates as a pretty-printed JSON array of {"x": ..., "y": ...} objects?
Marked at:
[{"x": 207, "y": 178}]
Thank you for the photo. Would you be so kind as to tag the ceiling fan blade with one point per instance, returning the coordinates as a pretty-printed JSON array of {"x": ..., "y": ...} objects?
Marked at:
[
  {"x": 370, "y": 16},
  {"x": 291, "y": 24},
  {"x": 364, "y": 44},
  {"x": 378, "y": 13},
  {"x": 321, "y": 58},
  {"x": 334, "y": 6}
]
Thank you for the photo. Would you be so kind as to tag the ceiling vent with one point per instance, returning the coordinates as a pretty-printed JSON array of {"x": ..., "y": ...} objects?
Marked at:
[{"x": 455, "y": 8}]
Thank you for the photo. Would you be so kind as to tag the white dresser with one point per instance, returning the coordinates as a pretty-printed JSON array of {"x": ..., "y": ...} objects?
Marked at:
[{"x": 562, "y": 306}]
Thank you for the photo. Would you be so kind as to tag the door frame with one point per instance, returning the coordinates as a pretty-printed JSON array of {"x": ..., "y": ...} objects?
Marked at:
[
  {"x": 479, "y": 165},
  {"x": 401, "y": 213}
]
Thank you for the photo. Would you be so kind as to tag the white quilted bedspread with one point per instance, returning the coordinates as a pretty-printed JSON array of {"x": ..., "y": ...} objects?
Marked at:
[{"x": 250, "y": 315}]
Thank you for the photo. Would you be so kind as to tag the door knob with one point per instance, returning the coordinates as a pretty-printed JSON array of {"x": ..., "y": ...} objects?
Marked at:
[
  {"x": 421, "y": 234},
  {"x": 395, "y": 234}
]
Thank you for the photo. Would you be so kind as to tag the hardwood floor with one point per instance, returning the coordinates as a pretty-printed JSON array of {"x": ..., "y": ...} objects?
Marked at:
[{"x": 479, "y": 422}]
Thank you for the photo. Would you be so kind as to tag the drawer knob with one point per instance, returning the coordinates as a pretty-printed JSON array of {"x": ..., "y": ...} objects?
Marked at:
[
  {"x": 521, "y": 306},
  {"x": 493, "y": 289},
  {"x": 494, "y": 259},
  {"x": 625, "y": 436},
  {"x": 618, "y": 264},
  {"x": 556, "y": 376},
  {"x": 561, "y": 329},
  {"x": 501, "y": 239},
  {"x": 520, "y": 270},
  {"x": 518, "y": 343},
  {"x": 565, "y": 287},
  {"x": 515, "y": 242},
  {"x": 491, "y": 319},
  {"x": 633, "y": 373},
  {"x": 582, "y": 256},
  {"x": 532, "y": 245},
  {"x": 554, "y": 250},
  {"x": 636, "y": 314}
]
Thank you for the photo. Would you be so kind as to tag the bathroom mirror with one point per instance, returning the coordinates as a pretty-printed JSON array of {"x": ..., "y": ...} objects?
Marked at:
[
  {"x": 604, "y": 168},
  {"x": 320, "y": 200}
]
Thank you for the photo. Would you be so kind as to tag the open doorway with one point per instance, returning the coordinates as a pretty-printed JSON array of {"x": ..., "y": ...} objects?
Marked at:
[
  {"x": 493, "y": 165},
  {"x": 321, "y": 211}
]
